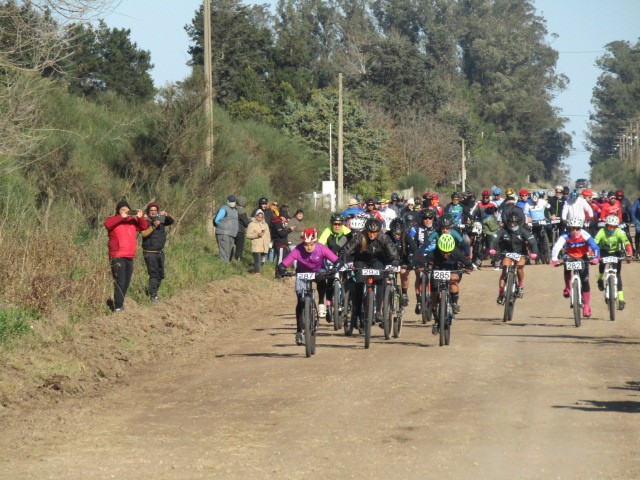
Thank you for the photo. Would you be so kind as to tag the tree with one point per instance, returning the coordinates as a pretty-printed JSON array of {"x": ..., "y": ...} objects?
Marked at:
[
  {"x": 241, "y": 40},
  {"x": 106, "y": 59},
  {"x": 616, "y": 98}
]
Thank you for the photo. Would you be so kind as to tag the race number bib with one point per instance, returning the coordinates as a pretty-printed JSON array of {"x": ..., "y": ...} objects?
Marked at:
[
  {"x": 369, "y": 272},
  {"x": 513, "y": 256},
  {"x": 441, "y": 275},
  {"x": 574, "y": 265},
  {"x": 609, "y": 259},
  {"x": 306, "y": 276}
]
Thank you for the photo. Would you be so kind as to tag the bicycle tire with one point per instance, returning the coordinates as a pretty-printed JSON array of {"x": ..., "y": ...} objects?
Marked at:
[
  {"x": 387, "y": 312},
  {"x": 368, "y": 318},
  {"x": 613, "y": 297},
  {"x": 347, "y": 324},
  {"x": 337, "y": 311},
  {"x": 314, "y": 327},
  {"x": 546, "y": 250},
  {"x": 509, "y": 299},
  {"x": 425, "y": 298},
  {"x": 398, "y": 312},
  {"x": 575, "y": 298},
  {"x": 442, "y": 316},
  {"x": 306, "y": 324}
]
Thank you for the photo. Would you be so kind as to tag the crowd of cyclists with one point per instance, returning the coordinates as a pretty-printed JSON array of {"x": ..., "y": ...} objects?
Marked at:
[{"x": 420, "y": 233}]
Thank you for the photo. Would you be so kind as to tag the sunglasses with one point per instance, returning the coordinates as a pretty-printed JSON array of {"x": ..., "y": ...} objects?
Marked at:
[
  {"x": 558, "y": 191},
  {"x": 336, "y": 224},
  {"x": 575, "y": 228}
]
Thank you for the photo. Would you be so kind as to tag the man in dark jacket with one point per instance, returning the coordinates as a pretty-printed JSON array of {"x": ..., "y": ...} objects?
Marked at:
[
  {"x": 153, "y": 241},
  {"x": 280, "y": 231}
]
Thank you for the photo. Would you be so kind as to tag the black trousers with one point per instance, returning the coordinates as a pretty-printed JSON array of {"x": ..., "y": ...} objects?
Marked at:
[
  {"x": 239, "y": 246},
  {"x": 155, "y": 269},
  {"x": 122, "y": 270}
]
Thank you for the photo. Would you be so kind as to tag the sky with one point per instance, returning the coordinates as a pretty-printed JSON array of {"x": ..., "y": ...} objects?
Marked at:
[{"x": 583, "y": 27}]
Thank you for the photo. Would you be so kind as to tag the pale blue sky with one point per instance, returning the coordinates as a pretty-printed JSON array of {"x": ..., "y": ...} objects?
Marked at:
[{"x": 584, "y": 28}]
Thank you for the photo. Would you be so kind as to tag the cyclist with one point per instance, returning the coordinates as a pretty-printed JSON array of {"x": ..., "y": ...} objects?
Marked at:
[
  {"x": 513, "y": 238},
  {"x": 635, "y": 218},
  {"x": 435, "y": 204},
  {"x": 371, "y": 210},
  {"x": 455, "y": 210},
  {"x": 612, "y": 240},
  {"x": 407, "y": 249},
  {"x": 335, "y": 237},
  {"x": 387, "y": 213},
  {"x": 576, "y": 207},
  {"x": 595, "y": 207},
  {"x": 523, "y": 203},
  {"x": 611, "y": 207},
  {"x": 497, "y": 196},
  {"x": 354, "y": 208},
  {"x": 486, "y": 201},
  {"x": 508, "y": 206},
  {"x": 576, "y": 243},
  {"x": 395, "y": 204},
  {"x": 369, "y": 249},
  {"x": 310, "y": 256},
  {"x": 446, "y": 256},
  {"x": 625, "y": 206},
  {"x": 421, "y": 231},
  {"x": 556, "y": 203}
]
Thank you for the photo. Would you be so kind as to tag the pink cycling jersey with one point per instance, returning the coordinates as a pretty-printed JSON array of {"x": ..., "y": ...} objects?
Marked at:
[{"x": 310, "y": 261}]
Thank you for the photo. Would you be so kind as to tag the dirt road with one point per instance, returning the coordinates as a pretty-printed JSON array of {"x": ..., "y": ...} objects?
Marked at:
[{"x": 536, "y": 398}]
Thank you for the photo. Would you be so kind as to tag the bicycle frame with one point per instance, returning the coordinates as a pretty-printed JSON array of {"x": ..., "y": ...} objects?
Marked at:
[
  {"x": 575, "y": 297},
  {"x": 309, "y": 314},
  {"x": 368, "y": 277},
  {"x": 610, "y": 279}
]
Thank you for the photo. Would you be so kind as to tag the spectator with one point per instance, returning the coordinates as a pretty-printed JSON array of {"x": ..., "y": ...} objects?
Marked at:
[
  {"x": 122, "y": 228},
  {"x": 258, "y": 233},
  {"x": 226, "y": 223},
  {"x": 243, "y": 223},
  {"x": 297, "y": 222},
  {"x": 280, "y": 231},
  {"x": 153, "y": 240}
]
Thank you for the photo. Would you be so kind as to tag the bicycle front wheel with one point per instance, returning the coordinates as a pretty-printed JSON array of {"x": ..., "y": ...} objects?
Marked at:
[
  {"x": 307, "y": 324},
  {"x": 613, "y": 297},
  {"x": 442, "y": 317},
  {"x": 575, "y": 298},
  {"x": 509, "y": 297},
  {"x": 387, "y": 312},
  {"x": 397, "y": 317},
  {"x": 337, "y": 310},
  {"x": 368, "y": 318}
]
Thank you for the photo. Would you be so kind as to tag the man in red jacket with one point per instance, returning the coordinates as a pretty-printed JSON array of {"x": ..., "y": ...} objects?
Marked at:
[{"x": 122, "y": 228}]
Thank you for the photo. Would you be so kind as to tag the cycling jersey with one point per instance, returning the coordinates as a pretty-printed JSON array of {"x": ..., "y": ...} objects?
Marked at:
[
  {"x": 615, "y": 241},
  {"x": 335, "y": 241},
  {"x": 309, "y": 261},
  {"x": 420, "y": 233},
  {"x": 575, "y": 247},
  {"x": 406, "y": 247},
  {"x": 576, "y": 208},
  {"x": 538, "y": 211},
  {"x": 608, "y": 209},
  {"x": 456, "y": 212},
  {"x": 514, "y": 241},
  {"x": 439, "y": 262}
]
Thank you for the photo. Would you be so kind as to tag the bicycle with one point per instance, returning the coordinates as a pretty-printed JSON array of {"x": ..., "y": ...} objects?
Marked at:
[
  {"x": 441, "y": 298},
  {"x": 538, "y": 227},
  {"x": 425, "y": 295},
  {"x": 575, "y": 266},
  {"x": 340, "y": 310},
  {"x": 392, "y": 309},
  {"x": 611, "y": 284},
  {"x": 368, "y": 277},
  {"x": 555, "y": 230},
  {"x": 510, "y": 289}
]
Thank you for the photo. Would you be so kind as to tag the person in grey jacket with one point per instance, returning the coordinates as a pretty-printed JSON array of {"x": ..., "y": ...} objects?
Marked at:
[
  {"x": 297, "y": 222},
  {"x": 243, "y": 223},
  {"x": 226, "y": 223}
]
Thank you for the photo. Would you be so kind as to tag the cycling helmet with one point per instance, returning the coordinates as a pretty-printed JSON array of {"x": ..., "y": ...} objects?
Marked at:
[
  {"x": 410, "y": 217},
  {"x": 566, "y": 190},
  {"x": 575, "y": 222},
  {"x": 446, "y": 221},
  {"x": 427, "y": 195},
  {"x": 587, "y": 193},
  {"x": 262, "y": 201},
  {"x": 455, "y": 195},
  {"x": 559, "y": 187},
  {"x": 486, "y": 193},
  {"x": 510, "y": 192},
  {"x": 395, "y": 197},
  {"x": 310, "y": 235},
  {"x": 396, "y": 227},
  {"x": 427, "y": 213},
  {"x": 541, "y": 193},
  {"x": 373, "y": 225},
  {"x": 446, "y": 243},
  {"x": 513, "y": 218},
  {"x": 357, "y": 223},
  {"x": 620, "y": 193},
  {"x": 370, "y": 201},
  {"x": 496, "y": 191},
  {"x": 612, "y": 220},
  {"x": 335, "y": 217},
  {"x": 524, "y": 191},
  {"x": 435, "y": 197},
  {"x": 535, "y": 197}
]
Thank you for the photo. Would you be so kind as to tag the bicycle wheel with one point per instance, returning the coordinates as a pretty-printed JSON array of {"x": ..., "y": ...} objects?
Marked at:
[
  {"x": 306, "y": 323},
  {"x": 387, "y": 311},
  {"x": 545, "y": 249},
  {"x": 575, "y": 298},
  {"x": 425, "y": 299},
  {"x": 509, "y": 297},
  {"x": 442, "y": 316},
  {"x": 347, "y": 324},
  {"x": 613, "y": 297},
  {"x": 314, "y": 328},
  {"x": 368, "y": 318},
  {"x": 337, "y": 311},
  {"x": 398, "y": 312}
]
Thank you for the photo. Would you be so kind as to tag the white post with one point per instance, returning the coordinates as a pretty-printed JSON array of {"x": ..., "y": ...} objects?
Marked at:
[{"x": 330, "y": 156}]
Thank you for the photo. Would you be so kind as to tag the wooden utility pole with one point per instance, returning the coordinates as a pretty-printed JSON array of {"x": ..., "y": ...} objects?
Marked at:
[
  {"x": 330, "y": 157},
  {"x": 463, "y": 171},
  {"x": 340, "y": 146},
  {"x": 208, "y": 74}
]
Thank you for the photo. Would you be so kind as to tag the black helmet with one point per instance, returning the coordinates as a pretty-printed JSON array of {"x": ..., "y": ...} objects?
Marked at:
[
  {"x": 262, "y": 201},
  {"x": 395, "y": 197},
  {"x": 373, "y": 225},
  {"x": 566, "y": 190},
  {"x": 335, "y": 217},
  {"x": 410, "y": 217},
  {"x": 455, "y": 195},
  {"x": 446, "y": 221},
  {"x": 427, "y": 213},
  {"x": 513, "y": 218},
  {"x": 396, "y": 227}
]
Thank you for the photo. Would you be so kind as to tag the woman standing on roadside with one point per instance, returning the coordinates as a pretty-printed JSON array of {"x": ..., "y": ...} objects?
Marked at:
[{"x": 258, "y": 233}]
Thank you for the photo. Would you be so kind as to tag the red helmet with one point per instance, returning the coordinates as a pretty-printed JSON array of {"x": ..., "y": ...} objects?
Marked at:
[
  {"x": 436, "y": 197},
  {"x": 620, "y": 193},
  {"x": 587, "y": 193},
  {"x": 524, "y": 191},
  {"x": 486, "y": 193},
  {"x": 310, "y": 235}
]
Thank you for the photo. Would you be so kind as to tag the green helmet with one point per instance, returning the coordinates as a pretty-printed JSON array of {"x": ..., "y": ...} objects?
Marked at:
[
  {"x": 335, "y": 217},
  {"x": 446, "y": 243}
]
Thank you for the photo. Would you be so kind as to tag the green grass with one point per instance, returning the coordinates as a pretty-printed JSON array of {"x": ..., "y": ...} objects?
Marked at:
[{"x": 15, "y": 322}]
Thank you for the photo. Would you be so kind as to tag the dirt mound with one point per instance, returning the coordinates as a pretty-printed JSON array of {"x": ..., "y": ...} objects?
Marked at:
[{"x": 76, "y": 360}]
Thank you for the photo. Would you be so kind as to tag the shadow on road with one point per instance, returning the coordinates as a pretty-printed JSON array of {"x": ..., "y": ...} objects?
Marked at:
[
  {"x": 577, "y": 338},
  {"x": 604, "y": 406}
]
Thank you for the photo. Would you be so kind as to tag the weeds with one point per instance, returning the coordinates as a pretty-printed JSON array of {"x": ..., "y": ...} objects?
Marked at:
[{"x": 15, "y": 322}]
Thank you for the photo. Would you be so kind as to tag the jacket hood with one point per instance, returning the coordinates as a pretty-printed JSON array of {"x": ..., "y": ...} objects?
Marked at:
[{"x": 241, "y": 201}]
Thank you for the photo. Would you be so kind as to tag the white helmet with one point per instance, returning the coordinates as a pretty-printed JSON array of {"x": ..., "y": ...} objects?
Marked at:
[
  {"x": 575, "y": 222},
  {"x": 612, "y": 220},
  {"x": 357, "y": 223}
]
